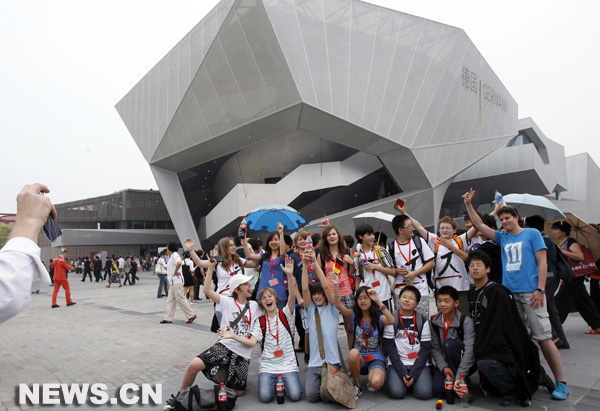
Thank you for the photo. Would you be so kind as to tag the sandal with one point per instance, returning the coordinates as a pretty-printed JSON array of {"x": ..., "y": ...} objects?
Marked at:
[{"x": 593, "y": 332}]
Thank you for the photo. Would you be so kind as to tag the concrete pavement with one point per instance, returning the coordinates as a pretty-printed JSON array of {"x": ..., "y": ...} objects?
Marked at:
[{"x": 113, "y": 336}]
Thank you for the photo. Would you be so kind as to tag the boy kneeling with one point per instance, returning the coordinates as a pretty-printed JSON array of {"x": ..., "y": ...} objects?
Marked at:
[
  {"x": 452, "y": 339},
  {"x": 407, "y": 343}
]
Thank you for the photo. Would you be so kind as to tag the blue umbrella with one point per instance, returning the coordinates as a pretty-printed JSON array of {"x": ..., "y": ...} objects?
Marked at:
[{"x": 267, "y": 217}]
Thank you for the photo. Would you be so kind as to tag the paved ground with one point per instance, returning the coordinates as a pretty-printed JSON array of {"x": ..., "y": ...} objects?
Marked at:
[{"x": 113, "y": 336}]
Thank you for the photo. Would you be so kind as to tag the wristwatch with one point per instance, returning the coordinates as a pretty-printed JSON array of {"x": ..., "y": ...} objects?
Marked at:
[{"x": 540, "y": 290}]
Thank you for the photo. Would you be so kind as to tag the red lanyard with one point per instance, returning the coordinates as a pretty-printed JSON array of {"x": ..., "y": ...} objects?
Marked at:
[
  {"x": 244, "y": 317},
  {"x": 406, "y": 332},
  {"x": 374, "y": 260},
  {"x": 276, "y": 336},
  {"x": 273, "y": 260},
  {"x": 409, "y": 254},
  {"x": 445, "y": 327},
  {"x": 365, "y": 335},
  {"x": 232, "y": 269}
]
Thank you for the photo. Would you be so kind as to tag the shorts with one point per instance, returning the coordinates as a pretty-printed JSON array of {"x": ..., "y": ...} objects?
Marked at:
[
  {"x": 218, "y": 355},
  {"x": 537, "y": 320},
  {"x": 368, "y": 366},
  {"x": 348, "y": 301}
]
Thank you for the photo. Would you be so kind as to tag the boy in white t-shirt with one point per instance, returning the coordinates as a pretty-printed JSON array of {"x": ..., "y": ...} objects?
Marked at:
[{"x": 451, "y": 252}]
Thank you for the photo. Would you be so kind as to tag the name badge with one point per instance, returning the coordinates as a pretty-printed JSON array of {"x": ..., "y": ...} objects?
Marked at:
[
  {"x": 376, "y": 284},
  {"x": 273, "y": 282},
  {"x": 369, "y": 358},
  {"x": 278, "y": 353},
  {"x": 413, "y": 355}
]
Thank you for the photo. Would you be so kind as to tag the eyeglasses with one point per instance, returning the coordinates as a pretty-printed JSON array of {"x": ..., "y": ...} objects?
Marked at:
[
  {"x": 408, "y": 227},
  {"x": 408, "y": 298}
]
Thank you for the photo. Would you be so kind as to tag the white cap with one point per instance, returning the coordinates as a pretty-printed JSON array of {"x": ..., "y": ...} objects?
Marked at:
[{"x": 238, "y": 280}]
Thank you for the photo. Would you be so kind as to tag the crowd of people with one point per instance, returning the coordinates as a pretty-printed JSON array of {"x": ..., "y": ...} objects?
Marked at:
[
  {"x": 498, "y": 293},
  {"x": 495, "y": 291}
]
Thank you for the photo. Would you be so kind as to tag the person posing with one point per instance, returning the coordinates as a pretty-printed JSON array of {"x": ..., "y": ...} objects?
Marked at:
[
  {"x": 274, "y": 331},
  {"x": 452, "y": 339},
  {"x": 451, "y": 252},
  {"x": 505, "y": 354},
  {"x": 335, "y": 258},
  {"x": 321, "y": 303},
  {"x": 175, "y": 279},
  {"x": 413, "y": 259},
  {"x": 524, "y": 270},
  {"x": 379, "y": 264},
  {"x": 60, "y": 266},
  {"x": 271, "y": 274},
  {"x": 574, "y": 293},
  {"x": 408, "y": 342},
  {"x": 234, "y": 347},
  {"x": 368, "y": 318},
  {"x": 161, "y": 272}
]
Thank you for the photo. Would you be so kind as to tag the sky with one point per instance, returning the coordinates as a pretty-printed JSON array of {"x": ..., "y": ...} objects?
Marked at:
[{"x": 64, "y": 64}]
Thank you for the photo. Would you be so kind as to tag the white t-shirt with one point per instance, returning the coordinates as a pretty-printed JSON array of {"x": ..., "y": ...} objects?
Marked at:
[
  {"x": 450, "y": 269},
  {"x": 231, "y": 309},
  {"x": 374, "y": 279},
  {"x": 405, "y": 337},
  {"x": 408, "y": 255},
  {"x": 268, "y": 362},
  {"x": 121, "y": 263},
  {"x": 174, "y": 258},
  {"x": 223, "y": 275}
]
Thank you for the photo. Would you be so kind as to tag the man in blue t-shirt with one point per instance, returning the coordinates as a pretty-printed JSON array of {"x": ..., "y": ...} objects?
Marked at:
[{"x": 524, "y": 271}]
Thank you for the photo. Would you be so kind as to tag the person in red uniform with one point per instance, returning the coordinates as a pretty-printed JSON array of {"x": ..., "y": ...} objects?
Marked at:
[{"x": 60, "y": 267}]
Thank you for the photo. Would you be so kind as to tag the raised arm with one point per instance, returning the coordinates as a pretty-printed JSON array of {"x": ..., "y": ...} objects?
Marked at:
[
  {"x": 281, "y": 240},
  {"x": 288, "y": 269},
  {"x": 477, "y": 222},
  {"x": 306, "y": 258},
  {"x": 416, "y": 225},
  {"x": 250, "y": 254},
  {"x": 388, "y": 318},
  {"x": 189, "y": 245},
  {"x": 321, "y": 276},
  {"x": 208, "y": 291},
  {"x": 346, "y": 312}
]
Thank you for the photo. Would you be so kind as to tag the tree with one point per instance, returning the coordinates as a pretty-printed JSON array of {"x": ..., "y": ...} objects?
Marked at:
[{"x": 4, "y": 233}]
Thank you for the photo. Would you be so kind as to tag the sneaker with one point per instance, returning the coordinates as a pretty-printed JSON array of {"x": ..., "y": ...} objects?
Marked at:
[
  {"x": 509, "y": 400},
  {"x": 357, "y": 392},
  {"x": 561, "y": 392},
  {"x": 70, "y": 304},
  {"x": 369, "y": 388},
  {"x": 55, "y": 306},
  {"x": 191, "y": 320}
]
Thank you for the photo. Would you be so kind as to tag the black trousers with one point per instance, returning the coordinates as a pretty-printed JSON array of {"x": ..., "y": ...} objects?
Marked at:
[
  {"x": 86, "y": 273},
  {"x": 576, "y": 293}
]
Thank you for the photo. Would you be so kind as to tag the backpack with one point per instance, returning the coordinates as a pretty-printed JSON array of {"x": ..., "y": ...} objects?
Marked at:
[
  {"x": 461, "y": 327},
  {"x": 419, "y": 320},
  {"x": 186, "y": 269},
  {"x": 561, "y": 266},
  {"x": 262, "y": 320},
  {"x": 458, "y": 241},
  {"x": 419, "y": 246},
  {"x": 195, "y": 399}
]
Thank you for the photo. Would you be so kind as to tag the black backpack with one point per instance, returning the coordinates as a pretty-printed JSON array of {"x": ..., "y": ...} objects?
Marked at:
[
  {"x": 195, "y": 399},
  {"x": 419, "y": 246},
  {"x": 461, "y": 326}
]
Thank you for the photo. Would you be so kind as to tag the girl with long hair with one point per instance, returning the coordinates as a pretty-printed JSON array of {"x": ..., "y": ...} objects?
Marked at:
[
  {"x": 368, "y": 317},
  {"x": 332, "y": 254}
]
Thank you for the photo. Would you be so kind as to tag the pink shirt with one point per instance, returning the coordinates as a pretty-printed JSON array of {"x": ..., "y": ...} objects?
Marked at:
[{"x": 343, "y": 277}]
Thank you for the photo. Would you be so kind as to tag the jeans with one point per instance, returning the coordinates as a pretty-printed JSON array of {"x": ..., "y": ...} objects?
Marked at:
[
  {"x": 557, "y": 328},
  {"x": 422, "y": 387},
  {"x": 500, "y": 375},
  {"x": 291, "y": 383},
  {"x": 313, "y": 384},
  {"x": 162, "y": 285}
]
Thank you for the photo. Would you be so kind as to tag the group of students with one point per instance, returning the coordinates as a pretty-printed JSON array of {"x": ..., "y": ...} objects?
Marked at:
[{"x": 382, "y": 294}]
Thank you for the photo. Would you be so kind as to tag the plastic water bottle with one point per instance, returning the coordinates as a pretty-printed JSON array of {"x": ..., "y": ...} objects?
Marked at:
[
  {"x": 449, "y": 386},
  {"x": 280, "y": 390},
  {"x": 222, "y": 398},
  {"x": 409, "y": 282},
  {"x": 499, "y": 198},
  {"x": 362, "y": 259},
  {"x": 464, "y": 390}
]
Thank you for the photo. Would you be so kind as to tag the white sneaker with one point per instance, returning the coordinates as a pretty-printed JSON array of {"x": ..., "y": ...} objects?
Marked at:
[{"x": 369, "y": 388}]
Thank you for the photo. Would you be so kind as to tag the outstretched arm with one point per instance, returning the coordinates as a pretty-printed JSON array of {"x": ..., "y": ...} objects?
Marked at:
[
  {"x": 416, "y": 225},
  {"x": 208, "y": 291},
  {"x": 305, "y": 290},
  {"x": 477, "y": 222},
  {"x": 288, "y": 269},
  {"x": 321, "y": 276},
  {"x": 189, "y": 245},
  {"x": 346, "y": 312}
]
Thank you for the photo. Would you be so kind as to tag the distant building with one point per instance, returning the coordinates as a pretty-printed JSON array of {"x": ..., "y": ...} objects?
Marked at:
[{"x": 123, "y": 223}]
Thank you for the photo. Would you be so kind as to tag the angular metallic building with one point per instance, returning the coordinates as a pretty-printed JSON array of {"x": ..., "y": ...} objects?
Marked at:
[{"x": 323, "y": 105}]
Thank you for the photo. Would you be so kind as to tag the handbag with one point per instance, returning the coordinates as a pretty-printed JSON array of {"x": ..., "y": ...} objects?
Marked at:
[
  {"x": 586, "y": 267},
  {"x": 335, "y": 384},
  {"x": 223, "y": 372}
]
